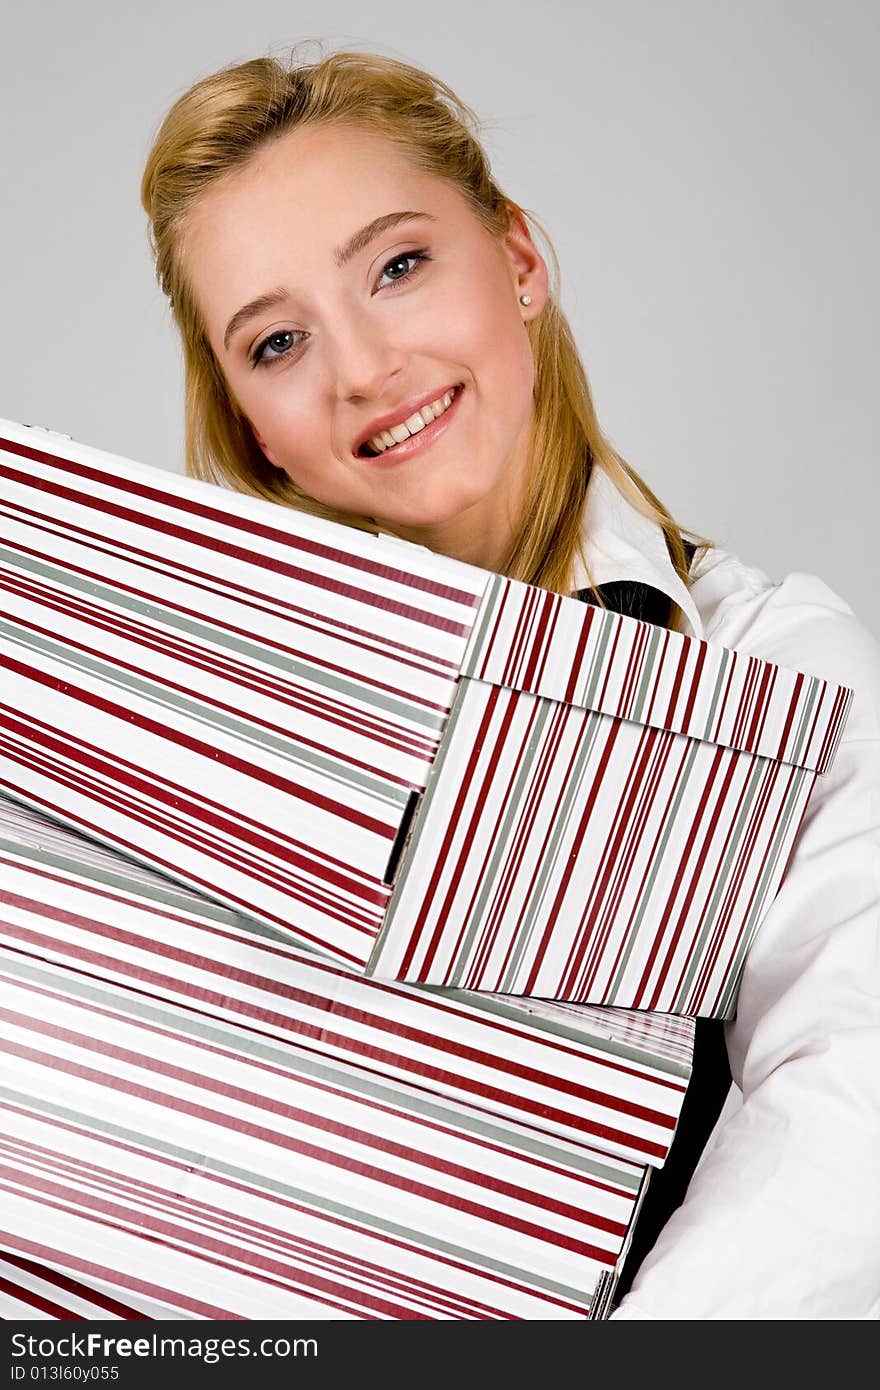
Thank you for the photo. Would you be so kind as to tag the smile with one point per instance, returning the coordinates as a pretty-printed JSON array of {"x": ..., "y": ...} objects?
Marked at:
[{"x": 418, "y": 430}]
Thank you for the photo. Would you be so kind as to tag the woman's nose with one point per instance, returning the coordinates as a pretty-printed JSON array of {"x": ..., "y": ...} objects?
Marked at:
[{"x": 365, "y": 358}]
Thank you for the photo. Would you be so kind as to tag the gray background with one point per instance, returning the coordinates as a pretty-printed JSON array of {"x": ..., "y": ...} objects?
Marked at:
[{"x": 707, "y": 171}]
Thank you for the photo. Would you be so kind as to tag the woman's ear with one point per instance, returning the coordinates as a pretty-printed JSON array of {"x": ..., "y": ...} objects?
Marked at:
[{"x": 527, "y": 265}]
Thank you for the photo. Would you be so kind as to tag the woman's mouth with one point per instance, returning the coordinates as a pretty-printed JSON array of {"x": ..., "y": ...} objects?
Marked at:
[{"x": 420, "y": 430}]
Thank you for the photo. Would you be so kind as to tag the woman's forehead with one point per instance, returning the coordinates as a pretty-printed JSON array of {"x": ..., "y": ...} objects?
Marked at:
[
  {"x": 321, "y": 176},
  {"x": 302, "y": 198}
]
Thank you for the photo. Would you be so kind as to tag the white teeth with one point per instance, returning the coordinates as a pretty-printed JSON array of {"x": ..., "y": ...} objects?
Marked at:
[{"x": 396, "y": 435}]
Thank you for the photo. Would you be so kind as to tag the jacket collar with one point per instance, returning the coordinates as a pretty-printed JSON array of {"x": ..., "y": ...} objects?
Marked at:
[{"x": 620, "y": 543}]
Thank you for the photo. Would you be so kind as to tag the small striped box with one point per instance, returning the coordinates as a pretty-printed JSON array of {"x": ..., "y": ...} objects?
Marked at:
[
  {"x": 417, "y": 768},
  {"x": 198, "y": 1119}
]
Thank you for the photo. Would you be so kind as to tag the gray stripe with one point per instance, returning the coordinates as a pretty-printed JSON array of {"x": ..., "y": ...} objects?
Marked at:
[
  {"x": 726, "y": 658},
  {"x": 486, "y": 614},
  {"x": 810, "y": 695},
  {"x": 739, "y": 828},
  {"x": 670, "y": 827},
  {"x": 217, "y": 637},
  {"x": 202, "y": 1163},
  {"x": 535, "y": 916},
  {"x": 597, "y": 667},
  {"x": 490, "y": 876},
  {"x": 648, "y": 672},
  {"x": 793, "y": 805},
  {"x": 181, "y": 900},
  {"x": 207, "y": 716},
  {"x": 340, "y": 1074},
  {"x": 412, "y": 856},
  {"x": 501, "y": 1006}
]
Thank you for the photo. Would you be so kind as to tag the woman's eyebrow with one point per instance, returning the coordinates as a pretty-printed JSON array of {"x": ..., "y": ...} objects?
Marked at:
[{"x": 342, "y": 255}]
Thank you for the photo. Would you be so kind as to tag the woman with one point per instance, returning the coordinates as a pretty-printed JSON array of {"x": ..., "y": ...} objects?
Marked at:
[{"x": 370, "y": 335}]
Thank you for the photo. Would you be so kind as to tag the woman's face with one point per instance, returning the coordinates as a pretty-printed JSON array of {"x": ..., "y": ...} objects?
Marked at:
[{"x": 344, "y": 291}]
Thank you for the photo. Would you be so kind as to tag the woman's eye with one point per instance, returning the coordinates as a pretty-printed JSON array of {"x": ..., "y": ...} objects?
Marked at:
[
  {"x": 274, "y": 348},
  {"x": 403, "y": 267}
]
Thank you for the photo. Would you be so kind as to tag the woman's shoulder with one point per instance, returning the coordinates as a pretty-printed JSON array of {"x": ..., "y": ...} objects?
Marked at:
[{"x": 797, "y": 621}]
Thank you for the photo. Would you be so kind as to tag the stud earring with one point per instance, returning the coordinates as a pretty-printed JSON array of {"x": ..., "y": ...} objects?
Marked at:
[{"x": 525, "y": 299}]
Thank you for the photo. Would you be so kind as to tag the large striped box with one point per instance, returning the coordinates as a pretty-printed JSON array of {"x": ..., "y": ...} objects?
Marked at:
[
  {"x": 198, "y": 1119},
  {"x": 418, "y": 768}
]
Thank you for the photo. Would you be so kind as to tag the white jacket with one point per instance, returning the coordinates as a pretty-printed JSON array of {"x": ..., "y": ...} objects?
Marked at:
[{"x": 782, "y": 1217}]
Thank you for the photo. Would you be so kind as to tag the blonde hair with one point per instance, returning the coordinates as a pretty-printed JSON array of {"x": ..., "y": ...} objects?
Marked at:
[{"x": 216, "y": 126}]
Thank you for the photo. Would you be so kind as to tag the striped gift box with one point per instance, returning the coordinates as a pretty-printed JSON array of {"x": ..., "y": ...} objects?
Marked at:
[
  {"x": 611, "y": 812},
  {"x": 410, "y": 765},
  {"x": 200, "y": 1118}
]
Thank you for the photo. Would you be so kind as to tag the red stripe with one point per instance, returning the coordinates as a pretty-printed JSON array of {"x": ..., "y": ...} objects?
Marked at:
[
  {"x": 379, "y": 1057},
  {"x": 789, "y": 714},
  {"x": 195, "y": 745},
  {"x": 396, "y": 1111},
  {"x": 509, "y": 1029},
  {"x": 542, "y": 637},
  {"x": 170, "y": 643},
  {"x": 632, "y": 828},
  {"x": 305, "y": 887},
  {"x": 599, "y": 703},
  {"x": 746, "y": 699},
  {"x": 443, "y": 851},
  {"x": 502, "y": 592},
  {"x": 730, "y": 901},
  {"x": 735, "y": 906},
  {"x": 696, "y": 870},
  {"x": 765, "y": 696},
  {"x": 702, "y": 650},
  {"x": 358, "y": 923},
  {"x": 73, "y": 1286},
  {"x": 732, "y": 672},
  {"x": 519, "y": 637},
  {"x": 310, "y": 887},
  {"x": 662, "y": 821},
  {"x": 40, "y": 1301},
  {"x": 507, "y": 879},
  {"x": 220, "y": 515},
  {"x": 286, "y": 1245},
  {"x": 181, "y": 1240},
  {"x": 222, "y": 588},
  {"x": 309, "y": 578},
  {"x": 473, "y": 798},
  {"x": 107, "y": 1275},
  {"x": 580, "y": 834},
  {"x": 589, "y": 923},
  {"x": 842, "y": 701},
  {"x": 551, "y": 643},
  {"x": 300, "y": 855},
  {"x": 680, "y": 669},
  {"x": 659, "y": 671},
  {"x": 633, "y": 669},
  {"x": 581, "y": 646},
  {"x": 304, "y": 1148},
  {"x": 497, "y": 807},
  {"x": 175, "y": 1167},
  {"x": 217, "y": 666}
]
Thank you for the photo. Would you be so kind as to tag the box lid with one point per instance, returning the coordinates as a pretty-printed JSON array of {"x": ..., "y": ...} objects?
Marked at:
[{"x": 544, "y": 644}]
